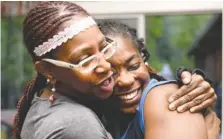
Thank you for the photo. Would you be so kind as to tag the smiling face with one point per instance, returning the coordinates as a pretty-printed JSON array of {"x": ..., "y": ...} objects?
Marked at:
[
  {"x": 131, "y": 74},
  {"x": 98, "y": 81}
]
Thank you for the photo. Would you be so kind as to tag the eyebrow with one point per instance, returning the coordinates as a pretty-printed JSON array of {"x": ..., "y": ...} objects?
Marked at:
[
  {"x": 101, "y": 42},
  {"x": 75, "y": 53},
  {"x": 83, "y": 49},
  {"x": 130, "y": 58}
]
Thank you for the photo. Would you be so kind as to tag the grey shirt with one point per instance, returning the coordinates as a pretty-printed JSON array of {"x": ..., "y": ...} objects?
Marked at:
[{"x": 64, "y": 119}]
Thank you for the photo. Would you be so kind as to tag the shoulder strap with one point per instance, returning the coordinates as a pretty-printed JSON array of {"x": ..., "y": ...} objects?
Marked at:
[{"x": 152, "y": 83}]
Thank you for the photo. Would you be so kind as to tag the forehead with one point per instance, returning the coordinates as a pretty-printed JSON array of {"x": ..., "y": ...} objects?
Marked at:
[
  {"x": 125, "y": 49},
  {"x": 90, "y": 37}
]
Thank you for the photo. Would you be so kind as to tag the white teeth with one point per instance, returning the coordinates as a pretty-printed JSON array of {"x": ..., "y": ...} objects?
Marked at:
[
  {"x": 129, "y": 96},
  {"x": 105, "y": 82}
]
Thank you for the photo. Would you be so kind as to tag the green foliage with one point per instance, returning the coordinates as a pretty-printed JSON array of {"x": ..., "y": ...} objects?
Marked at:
[
  {"x": 154, "y": 30},
  {"x": 169, "y": 38},
  {"x": 17, "y": 66}
]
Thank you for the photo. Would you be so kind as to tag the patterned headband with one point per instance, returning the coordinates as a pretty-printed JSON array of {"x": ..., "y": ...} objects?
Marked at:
[{"x": 63, "y": 36}]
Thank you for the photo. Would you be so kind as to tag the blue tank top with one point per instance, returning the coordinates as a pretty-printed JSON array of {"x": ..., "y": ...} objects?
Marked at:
[{"x": 136, "y": 127}]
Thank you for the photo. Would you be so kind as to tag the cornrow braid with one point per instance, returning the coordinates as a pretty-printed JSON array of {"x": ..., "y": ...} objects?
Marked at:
[
  {"x": 28, "y": 24},
  {"x": 54, "y": 24},
  {"x": 109, "y": 27},
  {"x": 41, "y": 23}
]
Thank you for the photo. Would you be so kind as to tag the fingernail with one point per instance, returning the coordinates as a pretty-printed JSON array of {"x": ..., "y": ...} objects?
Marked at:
[
  {"x": 192, "y": 110},
  {"x": 186, "y": 80},
  {"x": 180, "y": 109},
  {"x": 172, "y": 107},
  {"x": 171, "y": 99}
]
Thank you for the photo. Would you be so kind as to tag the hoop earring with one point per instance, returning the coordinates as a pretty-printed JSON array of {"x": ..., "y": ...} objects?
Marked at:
[
  {"x": 146, "y": 63},
  {"x": 52, "y": 96}
]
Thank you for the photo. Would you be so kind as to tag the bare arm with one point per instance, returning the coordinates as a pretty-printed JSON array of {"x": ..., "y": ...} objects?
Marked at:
[{"x": 160, "y": 123}]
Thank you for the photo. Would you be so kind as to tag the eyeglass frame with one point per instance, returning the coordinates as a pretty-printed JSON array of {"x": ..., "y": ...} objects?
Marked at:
[{"x": 64, "y": 64}]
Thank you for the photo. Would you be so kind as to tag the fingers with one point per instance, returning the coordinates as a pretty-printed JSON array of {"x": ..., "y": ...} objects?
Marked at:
[
  {"x": 197, "y": 101},
  {"x": 186, "y": 77},
  {"x": 187, "y": 98},
  {"x": 204, "y": 104},
  {"x": 196, "y": 80}
]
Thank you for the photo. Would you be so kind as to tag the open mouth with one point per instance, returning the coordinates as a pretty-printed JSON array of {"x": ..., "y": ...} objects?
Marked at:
[{"x": 107, "y": 84}]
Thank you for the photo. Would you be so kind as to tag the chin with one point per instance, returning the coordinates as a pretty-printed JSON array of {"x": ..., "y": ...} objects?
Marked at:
[
  {"x": 104, "y": 95},
  {"x": 130, "y": 110}
]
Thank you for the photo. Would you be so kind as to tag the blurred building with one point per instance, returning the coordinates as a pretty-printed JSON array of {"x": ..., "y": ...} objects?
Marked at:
[
  {"x": 207, "y": 52},
  {"x": 207, "y": 49}
]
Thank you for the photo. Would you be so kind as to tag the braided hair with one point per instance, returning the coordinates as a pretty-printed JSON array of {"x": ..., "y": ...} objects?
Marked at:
[
  {"x": 41, "y": 23},
  {"x": 110, "y": 27}
]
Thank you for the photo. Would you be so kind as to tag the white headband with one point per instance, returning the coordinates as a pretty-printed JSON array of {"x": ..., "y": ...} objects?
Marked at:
[{"x": 63, "y": 36}]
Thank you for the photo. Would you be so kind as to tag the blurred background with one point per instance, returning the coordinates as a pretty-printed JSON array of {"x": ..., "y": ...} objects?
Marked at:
[{"x": 177, "y": 34}]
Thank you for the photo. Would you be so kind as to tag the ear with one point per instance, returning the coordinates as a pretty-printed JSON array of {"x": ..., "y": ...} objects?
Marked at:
[
  {"x": 150, "y": 69},
  {"x": 44, "y": 69}
]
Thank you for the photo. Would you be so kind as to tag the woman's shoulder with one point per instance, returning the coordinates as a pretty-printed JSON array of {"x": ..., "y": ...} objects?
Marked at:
[
  {"x": 62, "y": 110},
  {"x": 157, "y": 97},
  {"x": 78, "y": 121},
  {"x": 155, "y": 90},
  {"x": 158, "y": 117},
  {"x": 61, "y": 106},
  {"x": 71, "y": 110},
  {"x": 163, "y": 90},
  {"x": 67, "y": 120}
]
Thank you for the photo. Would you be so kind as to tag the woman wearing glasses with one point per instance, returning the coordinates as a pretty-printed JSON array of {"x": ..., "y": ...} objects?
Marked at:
[
  {"x": 70, "y": 56},
  {"x": 59, "y": 32}
]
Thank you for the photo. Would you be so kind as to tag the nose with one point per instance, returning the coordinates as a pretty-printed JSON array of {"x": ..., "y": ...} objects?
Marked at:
[
  {"x": 103, "y": 66},
  {"x": 125, "y": 80}
]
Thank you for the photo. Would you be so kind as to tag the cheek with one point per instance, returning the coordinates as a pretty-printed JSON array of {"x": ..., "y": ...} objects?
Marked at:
[
  {"x": 81, "y": 77},
  {"x": 74, "y": 78},
  {"x": 142, "y": 74},
  {"x": 80, "y": 81}
]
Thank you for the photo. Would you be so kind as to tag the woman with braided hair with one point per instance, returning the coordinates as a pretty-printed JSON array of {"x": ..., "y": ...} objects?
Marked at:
[
  {"x": 55, "y": 35},
  {"x": 70, "y": 56},
  {"x": 141, "y": 96}
]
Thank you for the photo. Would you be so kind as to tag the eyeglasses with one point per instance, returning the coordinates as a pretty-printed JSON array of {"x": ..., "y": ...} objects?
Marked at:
[{"x": 89, "y": 63}]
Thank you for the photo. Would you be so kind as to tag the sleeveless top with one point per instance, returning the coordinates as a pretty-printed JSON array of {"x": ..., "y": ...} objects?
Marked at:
[{"x": 136, "y": 127}]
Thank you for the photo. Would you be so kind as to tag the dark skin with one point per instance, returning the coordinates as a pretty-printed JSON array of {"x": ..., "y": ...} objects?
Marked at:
[
  {"x": 66, "y": 80},
  {"x": 74, "y": 50},
  {"x": 131, "y": 72},
  {"x": 160, "y": 123}
]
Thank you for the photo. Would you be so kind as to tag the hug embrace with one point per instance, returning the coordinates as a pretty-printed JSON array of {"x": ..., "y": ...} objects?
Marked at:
[{"x": 93, "y": 82}]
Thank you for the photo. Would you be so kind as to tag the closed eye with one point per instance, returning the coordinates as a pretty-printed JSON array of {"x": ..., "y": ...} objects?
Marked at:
[
  {"x": 134, "y": 66},
  {"x": 115, "y": 73},
  {"x": 106, "y": 43},
  {"x": 80, "y": 59},
  {"x": 103, "y": 46}
]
